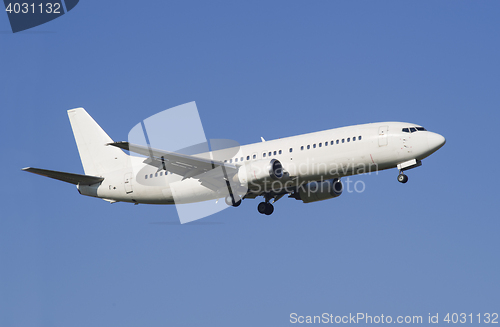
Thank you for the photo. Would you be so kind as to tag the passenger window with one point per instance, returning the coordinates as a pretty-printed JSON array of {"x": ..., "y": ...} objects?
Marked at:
[
  {"x": 248, "y": 157},
  {"x": 146, "y": 177},
  {"x": 412, "y": 129},
  {"x": 314, "y": 146},
  {"x": 270, "y": 153},
  {"x": 274, "y": 153},
  {"x": 150, "y": 175},
  {"x": 343, "y": 140},
  {"x": 320, "y": 144},
  {"x": 359, "y": 138},
  {"x": 354, "y": 138},
  {"x": 348, "y": 139},
  {"x": 264, "y": 155},
  {"x": 337, "y": 141},
  {"x": 302, "y": 148},
  {"x": 230, "y": 160},
  {"x": 241, "y": 159},
  {"x": 291, "y": 149},
  {"x": 161, "y": 173},
  {"x": 255, "y": 156},
  {"x": 236, "y": 160},
  {"x": 225, "y": 160},
  {"x": 279, "y": 152},
  {"x": 308, "y": 147},
  {"x": 331, "y": 143},
  {"x": 326, "y": 143}
]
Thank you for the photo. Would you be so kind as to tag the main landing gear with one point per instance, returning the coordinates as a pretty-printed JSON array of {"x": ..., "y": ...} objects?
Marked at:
[
  {"x": 265, "y": 207},
  {"x": 402, "y": 178}
]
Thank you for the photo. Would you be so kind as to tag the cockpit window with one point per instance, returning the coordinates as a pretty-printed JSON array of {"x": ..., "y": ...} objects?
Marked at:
[{"x": 413, "y": 129}]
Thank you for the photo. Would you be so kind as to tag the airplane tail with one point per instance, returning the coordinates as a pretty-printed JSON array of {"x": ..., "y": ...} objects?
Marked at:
[{"x": 97, "y": 158}]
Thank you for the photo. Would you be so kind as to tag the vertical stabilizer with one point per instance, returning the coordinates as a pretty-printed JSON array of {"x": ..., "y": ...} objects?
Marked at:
[{"x": 91, "y": 140}]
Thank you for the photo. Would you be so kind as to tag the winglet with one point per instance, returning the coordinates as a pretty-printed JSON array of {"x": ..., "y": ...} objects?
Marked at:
[{"x": 262, "y": 139}]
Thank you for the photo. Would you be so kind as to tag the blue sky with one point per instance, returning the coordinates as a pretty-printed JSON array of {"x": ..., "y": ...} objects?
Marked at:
[{"x": 260, "y": 68}]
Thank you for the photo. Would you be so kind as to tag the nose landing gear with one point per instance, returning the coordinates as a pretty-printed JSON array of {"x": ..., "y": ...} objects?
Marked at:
[
  {"x": 410, "y": 164},
  {"x": 402, "y": 178}
]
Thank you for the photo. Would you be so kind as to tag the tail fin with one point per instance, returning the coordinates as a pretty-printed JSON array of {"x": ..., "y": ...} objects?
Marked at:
[{"x": 91, "y": 140}]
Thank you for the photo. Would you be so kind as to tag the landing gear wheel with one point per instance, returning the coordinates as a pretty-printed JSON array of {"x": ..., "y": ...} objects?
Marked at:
[
  {"x": 265, "y": 208},
  {"x": 262, "y": 207},
  {"x": 269, "y": 209},
  {"x": 402, "y": 178}
]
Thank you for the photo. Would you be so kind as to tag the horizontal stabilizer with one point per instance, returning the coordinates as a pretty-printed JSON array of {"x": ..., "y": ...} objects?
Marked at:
[{"x": 65, "y": 177}]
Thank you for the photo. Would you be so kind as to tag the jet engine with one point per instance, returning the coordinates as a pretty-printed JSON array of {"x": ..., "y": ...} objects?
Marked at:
[
  {"x": 319, "y": 191},
  {"x": 259, "y": 172}
]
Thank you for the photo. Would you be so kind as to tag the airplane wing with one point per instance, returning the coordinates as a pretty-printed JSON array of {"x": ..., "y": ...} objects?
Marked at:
[{"x": 184, "y": 165}]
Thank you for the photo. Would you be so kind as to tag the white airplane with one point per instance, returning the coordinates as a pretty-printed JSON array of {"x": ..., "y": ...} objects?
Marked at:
[{"x": 306, "y": 167}]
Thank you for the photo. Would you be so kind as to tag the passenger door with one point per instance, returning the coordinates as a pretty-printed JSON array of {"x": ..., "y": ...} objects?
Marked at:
[{"x": 382, "y": 135}]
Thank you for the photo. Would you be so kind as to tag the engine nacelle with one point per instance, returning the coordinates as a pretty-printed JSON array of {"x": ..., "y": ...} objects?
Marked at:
[
  {"x": 259, "y": 172},
  {"x": 318, "y": 191}
]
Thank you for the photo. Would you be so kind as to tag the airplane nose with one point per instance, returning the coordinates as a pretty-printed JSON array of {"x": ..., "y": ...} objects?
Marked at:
[{"x": 435, "y": 141}]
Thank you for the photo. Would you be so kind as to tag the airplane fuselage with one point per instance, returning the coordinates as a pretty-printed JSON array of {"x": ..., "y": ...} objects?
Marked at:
[{"x": 328, "y": 154}]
